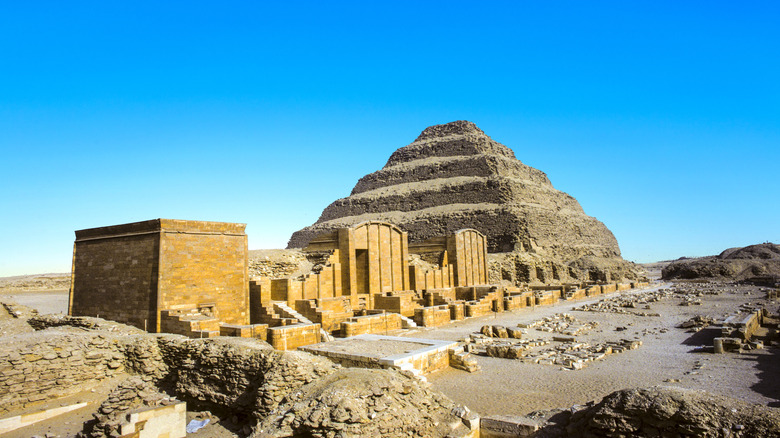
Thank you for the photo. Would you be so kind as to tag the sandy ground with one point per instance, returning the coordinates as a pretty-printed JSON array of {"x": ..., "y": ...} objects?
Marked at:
[{"x": 510, "y": 387}]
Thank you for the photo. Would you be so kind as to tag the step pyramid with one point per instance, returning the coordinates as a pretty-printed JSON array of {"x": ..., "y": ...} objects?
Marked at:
[{"x": 454, "y": 176}]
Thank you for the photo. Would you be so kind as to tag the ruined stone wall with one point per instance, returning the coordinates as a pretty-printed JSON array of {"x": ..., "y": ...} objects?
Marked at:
[
  {"x": 244, "y": 376},
  {"x": 290, "y": 337},
  {"x": 432, "y": 316},
  {"x": 420, "y": 279},
  {"x": 368, "y": 324},
  {"x": 58, "y": 363},
  {"x": 205, "y": 262},
  {"x": 403, "y": 303}
]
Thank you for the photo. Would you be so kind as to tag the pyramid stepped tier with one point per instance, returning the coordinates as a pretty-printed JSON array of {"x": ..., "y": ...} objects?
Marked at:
[
  {"x": 454, "y": 176},
  {"x": 450, "y": 167}
]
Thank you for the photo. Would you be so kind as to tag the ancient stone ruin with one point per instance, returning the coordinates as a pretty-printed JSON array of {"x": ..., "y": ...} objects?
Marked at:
[
  {"x": 454, "y": 176},
  {"x": 191, "y": 278}
]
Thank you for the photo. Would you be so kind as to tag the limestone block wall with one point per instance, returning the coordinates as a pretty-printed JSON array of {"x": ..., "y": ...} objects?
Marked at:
[
  {"x": 457, "y": 311},
  {"x": 290, "y": 337},
  {"x": 129, "y": 273},
  {"x": 420, "y": 279},
  {"x": 116, "y": 278},
  {"x": 593, "y": 291},
  {"x": 545, "y": 297},
  {"x": 368, "y": 324},
  {"x": 518, "y": 301},
  {"x": 608, "y": 288},
  {"x": 467, "y": 250},
  {"x": 328, "y": 312},
  {"x": 400, "y": 302},
  {"x": 477, "y": 308},
  {"x": 381, "y": 252},
  {"x": 432, "y": 316},
  {"x": 205, "y": 262}
]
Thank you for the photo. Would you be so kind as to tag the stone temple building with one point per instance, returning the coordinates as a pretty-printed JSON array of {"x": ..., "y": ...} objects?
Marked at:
[{"x": 131, "y": 273}]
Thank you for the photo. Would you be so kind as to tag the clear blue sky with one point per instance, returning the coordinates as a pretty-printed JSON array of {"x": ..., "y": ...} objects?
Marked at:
[{"x": 661, "y": 118}]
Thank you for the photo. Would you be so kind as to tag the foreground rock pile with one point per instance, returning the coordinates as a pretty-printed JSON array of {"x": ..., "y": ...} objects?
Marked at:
[
  {"x": 131, "y": 394},
  {"x": 659, "y": 411},
  {"x": 562, "y": 323},
  {"x": 362, "y": 402}
]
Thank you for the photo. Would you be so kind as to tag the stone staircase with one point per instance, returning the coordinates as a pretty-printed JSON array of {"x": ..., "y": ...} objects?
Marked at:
[
  {"x": 407, "y": 322},
  {"x": 463, "y": 360},
  {"x": 287, "y": 311},
  {"x": 269, "y": 315},
  {"x": 189, "y": 322},
  {"x": 328, "y": 312}
]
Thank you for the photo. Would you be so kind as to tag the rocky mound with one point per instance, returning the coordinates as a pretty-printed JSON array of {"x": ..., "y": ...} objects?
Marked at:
[
  {"x": 454, "y": 176},
  {"x": 364, "y": 402},
  {"x": 738, "y": 264},
  {"x": 663, "y": 411}
]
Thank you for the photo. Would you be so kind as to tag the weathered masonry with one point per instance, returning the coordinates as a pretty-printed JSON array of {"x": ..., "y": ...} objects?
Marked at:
[{"x": 134, "y": 272}]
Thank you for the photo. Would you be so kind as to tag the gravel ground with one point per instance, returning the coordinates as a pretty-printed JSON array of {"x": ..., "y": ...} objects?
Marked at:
[{"x": 509, "y": 387}]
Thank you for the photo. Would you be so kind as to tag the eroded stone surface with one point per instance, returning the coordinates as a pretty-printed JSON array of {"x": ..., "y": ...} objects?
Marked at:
[{"x": 454, "y": 176}]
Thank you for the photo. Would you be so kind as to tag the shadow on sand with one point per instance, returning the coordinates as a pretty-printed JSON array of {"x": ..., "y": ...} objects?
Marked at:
[{"x": 768, "y": 366}]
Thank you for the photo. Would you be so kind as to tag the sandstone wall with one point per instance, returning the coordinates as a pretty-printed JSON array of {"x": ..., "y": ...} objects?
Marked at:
[
  {"x": 129, "y": 273},
  {"x": 205, "y": 262}
]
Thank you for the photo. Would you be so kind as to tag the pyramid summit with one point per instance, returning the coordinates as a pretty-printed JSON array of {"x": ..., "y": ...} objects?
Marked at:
[{"x": 454, "y": 176}]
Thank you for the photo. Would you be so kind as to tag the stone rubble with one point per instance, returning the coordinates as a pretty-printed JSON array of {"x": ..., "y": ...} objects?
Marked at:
[
  {"x": 561, "y": 323},
  {"x": 131, "y": 394},
  {"x": 566, "y": 351},
  {"x": 361, "y": 402},
  {"x": 621, "y": 303},
  {"x": 697, "y": 323}
]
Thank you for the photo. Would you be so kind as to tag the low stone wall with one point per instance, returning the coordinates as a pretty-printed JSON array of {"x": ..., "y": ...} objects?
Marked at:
[
  {"x": 434, "y": 316},
  {"x": 477, "y": 308},
  {"x": 378, "y": 323},
  {"x": 593, "y": 291},
  {"x": 400, "y": 302},
  {"x": 545, "y": 297},
  {"x": 576, "y": 294},
  {"x": 519, "y": 301},
  {"x": 608, "y": 288},
  {"x": 259, "y": 331},
  {"x": 290, "y": 337},
  {"x": 457, "y": 311},
  {"x": 43, "y": 366}
]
